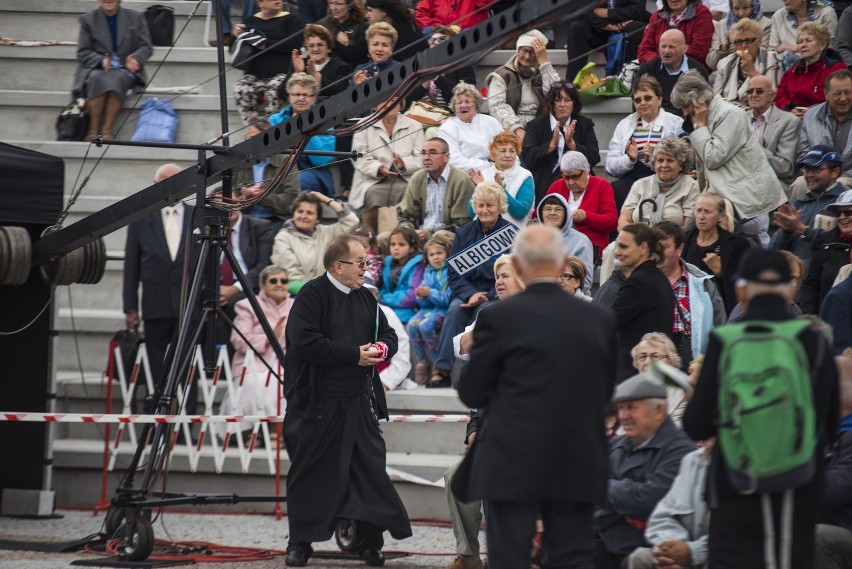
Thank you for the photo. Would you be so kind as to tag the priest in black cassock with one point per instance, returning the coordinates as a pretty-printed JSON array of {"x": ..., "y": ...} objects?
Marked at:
[{"x": 335, "y": 336}]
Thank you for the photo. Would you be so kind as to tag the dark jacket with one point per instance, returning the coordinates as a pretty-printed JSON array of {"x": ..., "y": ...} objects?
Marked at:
[
  {"x": 480, "y": 279},
  {"x": 335, "y": 78},
  {"x": 654, "y": 68},
  {"x": 550, "y": 423},
  {"x": 283, "y": 35},
  {"x": 310, "y": 349},
  {"x": 639, "y": 478},
  {"x": 536, "y": 158},
  {"x": 836, "y": 310},
  {"x": 828, "y": 254},
  {"x": 731, "y": 249},
  {"x": 445, "y": 84},
  {"x": 409, "y": 42},
  {"x": 808, "y": 205},
  {"x": 643, "y": 304},
  {"x": 701, "y": 416},
  {"x": 147, "y": 261},
  {"x": 624, "y": 10},
  {"x": 256, "y": 236},
  {"x": 837, "y": 493},
  {"x": 608, "y": 291},
  {"x": 355, "y": 53}
]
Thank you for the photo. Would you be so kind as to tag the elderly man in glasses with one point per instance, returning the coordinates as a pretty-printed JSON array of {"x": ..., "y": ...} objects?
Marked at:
[
  {"x": 777, "y": 131},
  {"x": 335, "y": 335},
  {"x": 438, "y": 195}
]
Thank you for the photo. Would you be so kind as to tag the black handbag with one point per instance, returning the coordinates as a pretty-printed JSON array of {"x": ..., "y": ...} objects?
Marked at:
[
  {"x": 73, "y": 122},
  {"x": 128, "y": 345},
  {"x": 247, "y": 44},
  {"x": 161, "y": 24}
]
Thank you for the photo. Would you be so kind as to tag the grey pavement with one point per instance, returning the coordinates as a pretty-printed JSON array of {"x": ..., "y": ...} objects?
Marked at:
[{"x": 430, "y": 546}]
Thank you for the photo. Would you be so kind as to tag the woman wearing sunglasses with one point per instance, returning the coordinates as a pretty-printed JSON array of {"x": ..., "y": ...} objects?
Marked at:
[
  {"x": 749, "y": 59},
  {"x": 256, "y": 395},
  {"x": 633, "y": 141}
]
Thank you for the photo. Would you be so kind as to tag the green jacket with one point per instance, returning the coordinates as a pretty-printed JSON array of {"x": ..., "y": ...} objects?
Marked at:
[{"x": 412, "y": 208}]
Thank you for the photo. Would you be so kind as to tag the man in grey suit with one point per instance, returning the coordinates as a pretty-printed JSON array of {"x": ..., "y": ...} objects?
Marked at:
[{"x": 777, "y": 131}]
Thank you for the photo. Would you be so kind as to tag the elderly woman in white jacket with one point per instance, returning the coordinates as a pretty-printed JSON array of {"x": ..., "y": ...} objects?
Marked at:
[
  {"x": 636, "y": 135},
  {"x": 391, "y": 154},
  {"x": 730, "y": 156}
]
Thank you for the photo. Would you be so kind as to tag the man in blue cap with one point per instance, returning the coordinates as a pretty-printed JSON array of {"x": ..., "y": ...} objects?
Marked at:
[{"x": 802, "y": 222}]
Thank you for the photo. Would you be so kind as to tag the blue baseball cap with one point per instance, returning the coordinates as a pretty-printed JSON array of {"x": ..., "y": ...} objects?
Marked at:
[{"x": 819, "y": 155}]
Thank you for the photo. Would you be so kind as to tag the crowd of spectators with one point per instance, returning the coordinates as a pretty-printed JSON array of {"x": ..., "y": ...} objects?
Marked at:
[{"x": 740, "y": 140}]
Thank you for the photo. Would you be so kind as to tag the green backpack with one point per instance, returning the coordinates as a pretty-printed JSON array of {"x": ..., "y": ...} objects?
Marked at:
[{"x": 767, "y": 422}]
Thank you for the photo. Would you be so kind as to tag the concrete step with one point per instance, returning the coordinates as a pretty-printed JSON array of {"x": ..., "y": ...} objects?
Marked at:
[
  {"x": 51, "y": 68},
  {"x": 77, "y": 475},
  {"x": 87, "y": 393},
  {"x": 123, "y": 170},
  {"x": 31, "y": 115},
  {"x": 58, "y": 19},
  {"x": 106, "y": 293}
]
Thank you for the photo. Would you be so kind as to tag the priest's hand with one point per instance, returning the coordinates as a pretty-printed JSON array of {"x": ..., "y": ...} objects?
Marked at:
[{"x": 368, "y": 356}]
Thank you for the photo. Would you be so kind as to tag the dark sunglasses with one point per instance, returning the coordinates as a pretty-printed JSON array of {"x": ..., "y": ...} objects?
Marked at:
[
  {"x": 361, "y": 264},
  {"x": 276, "y": 280},
  {"x": 845, "y": 213},
  {"x": 744, "y": 41},
  {"x": 645, "y": 98}
]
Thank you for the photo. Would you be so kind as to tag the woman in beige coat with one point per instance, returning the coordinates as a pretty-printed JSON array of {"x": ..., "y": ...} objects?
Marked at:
[
  {"x": 301, "y": 243},
  {"x": 391, "y": 153}
]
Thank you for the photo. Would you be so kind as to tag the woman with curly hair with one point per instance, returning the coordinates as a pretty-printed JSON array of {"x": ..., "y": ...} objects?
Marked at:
[{"x": 507, "y": 171}]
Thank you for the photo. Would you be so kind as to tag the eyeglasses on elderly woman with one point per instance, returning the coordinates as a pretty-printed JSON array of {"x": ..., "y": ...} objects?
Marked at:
[{"x": 654, "y": 356}]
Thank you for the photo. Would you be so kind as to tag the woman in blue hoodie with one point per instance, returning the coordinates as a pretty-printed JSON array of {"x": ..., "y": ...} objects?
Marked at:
[
  {"x": 402, "y": 273},
  {"x": 553, "y": 210}
]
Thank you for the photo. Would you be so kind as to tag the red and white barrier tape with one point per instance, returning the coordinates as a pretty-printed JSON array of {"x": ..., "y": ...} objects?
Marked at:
[{"x": 89, "y": 418}]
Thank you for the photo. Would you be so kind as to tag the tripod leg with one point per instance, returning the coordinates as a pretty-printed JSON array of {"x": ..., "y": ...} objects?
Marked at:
[{"x": 261, "y": 317}]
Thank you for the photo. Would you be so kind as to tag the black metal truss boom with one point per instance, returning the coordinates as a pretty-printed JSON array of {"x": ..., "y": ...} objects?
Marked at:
[{"x": 454, "y": 53}]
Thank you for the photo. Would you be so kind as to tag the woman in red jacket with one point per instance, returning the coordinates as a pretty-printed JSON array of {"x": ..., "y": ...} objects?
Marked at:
[
  {"x": 445, "y": 12},
  {"x": 591, "y": 200},
  {"x": 803, "y": 85},
  {"x": 689, "y": 16}
]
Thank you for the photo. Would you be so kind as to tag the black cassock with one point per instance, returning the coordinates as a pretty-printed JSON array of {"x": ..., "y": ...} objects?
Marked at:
[{"x": 331, "y": 428}]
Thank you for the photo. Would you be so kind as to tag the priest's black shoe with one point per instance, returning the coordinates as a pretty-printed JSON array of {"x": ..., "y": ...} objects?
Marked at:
[
  {"x": 372, "y": 557},
  {"x": 298, "y": 555}
]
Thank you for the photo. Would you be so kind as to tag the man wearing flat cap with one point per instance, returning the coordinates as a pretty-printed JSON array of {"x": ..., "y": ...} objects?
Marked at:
[
  {"x": 643, "y": 463},
  {"x": 516, "y": 90},
  {"x": 736, "y": 535}
]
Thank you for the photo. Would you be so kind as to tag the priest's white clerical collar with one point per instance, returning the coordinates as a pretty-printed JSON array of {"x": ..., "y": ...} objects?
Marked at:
[{"x": 337, "y": 284}]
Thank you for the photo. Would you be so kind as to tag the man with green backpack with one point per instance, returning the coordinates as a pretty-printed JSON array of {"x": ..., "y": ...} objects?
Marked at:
[{"x": 768, "y": 389}]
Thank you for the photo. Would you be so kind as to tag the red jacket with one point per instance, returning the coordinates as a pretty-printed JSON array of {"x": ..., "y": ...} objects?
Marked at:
[
  {"x": 446, "y": 12},
  {"x": 804, "y": 85},
  {"x": 698, "y": 31},
  {"x": 599, "y": 204}
]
